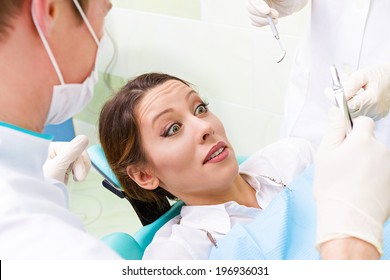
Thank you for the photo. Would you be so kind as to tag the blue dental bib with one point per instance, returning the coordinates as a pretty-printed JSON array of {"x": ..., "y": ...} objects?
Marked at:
[{"x": 285, "y": 230}]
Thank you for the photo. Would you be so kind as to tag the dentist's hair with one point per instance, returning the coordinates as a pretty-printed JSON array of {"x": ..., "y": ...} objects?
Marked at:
[
  {"x": 12, "y": 8},
  {"x": 9, "y": 9},
  {"x": 120, "y": 135}
]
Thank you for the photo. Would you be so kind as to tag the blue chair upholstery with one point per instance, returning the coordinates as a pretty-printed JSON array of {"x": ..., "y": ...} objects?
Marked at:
[
  {"x": 145, "y": 235},
  {"x": 127, "y": 246},
  {"x": 241, "y": 159},
  {"x": 133, "y": 247}
]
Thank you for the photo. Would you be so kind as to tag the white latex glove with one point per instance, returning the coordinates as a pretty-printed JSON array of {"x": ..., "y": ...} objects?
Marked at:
[
  {"x": 352, "y": 182},
  {"x": 259, "y": 9},
  {"x": 373, "y": 85},
  {"x": 66, "y": 157}
]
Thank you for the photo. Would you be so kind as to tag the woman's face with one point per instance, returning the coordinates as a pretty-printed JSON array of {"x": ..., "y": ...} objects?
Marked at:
[{"x": 185, "y": 143}]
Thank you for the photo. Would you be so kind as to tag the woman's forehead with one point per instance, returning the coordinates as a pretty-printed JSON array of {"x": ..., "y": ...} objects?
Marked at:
[
  {"x": 171, "y": 88},
  {"x": 168, "y": 87}
]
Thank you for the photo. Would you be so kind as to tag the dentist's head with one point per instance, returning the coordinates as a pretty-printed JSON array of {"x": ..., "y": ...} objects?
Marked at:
[{"x": 48, "y": 50}]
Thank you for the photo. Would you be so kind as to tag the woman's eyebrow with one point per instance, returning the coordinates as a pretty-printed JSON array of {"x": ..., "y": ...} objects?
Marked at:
[
  {"x": 160, "y": 114},
  {"x": 189, "y": 94},
  {"x": 170, "y": 109}
]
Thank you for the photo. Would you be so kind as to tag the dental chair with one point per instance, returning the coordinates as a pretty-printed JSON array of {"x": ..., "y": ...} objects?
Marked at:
[{"x": 127, "y": 246}]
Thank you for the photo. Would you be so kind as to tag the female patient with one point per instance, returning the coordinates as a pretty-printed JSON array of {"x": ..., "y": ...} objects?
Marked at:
[{"x": 161, "y": 140}]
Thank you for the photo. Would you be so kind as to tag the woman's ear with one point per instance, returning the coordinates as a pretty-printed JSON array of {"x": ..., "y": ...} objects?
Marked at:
[
  {"x": 144, "y": 178},
  {"x": 45, "y": 11}
]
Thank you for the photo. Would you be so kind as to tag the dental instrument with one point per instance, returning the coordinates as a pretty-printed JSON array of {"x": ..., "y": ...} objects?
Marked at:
[
  {"x": 339, "y": 96},
  {"x": 276, "y": 34}
]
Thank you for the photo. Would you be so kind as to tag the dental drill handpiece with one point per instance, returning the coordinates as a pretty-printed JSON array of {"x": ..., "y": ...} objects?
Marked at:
[
  {"x": 341, "y": 101},
  {"x": 276, "y": 34}
]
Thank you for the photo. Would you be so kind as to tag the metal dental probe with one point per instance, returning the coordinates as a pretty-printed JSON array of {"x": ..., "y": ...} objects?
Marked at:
[
  {"x": 339, "y": 96},
  {"x": 276, "y": 34}
]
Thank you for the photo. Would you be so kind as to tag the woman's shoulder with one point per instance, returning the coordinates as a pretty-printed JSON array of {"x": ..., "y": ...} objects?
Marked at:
[
  {"x": 167, "y": 250},
  {"x": 174, "y": 241},
  {"x": 283, "y": 159},
  {"x": 285, "y": 148}
]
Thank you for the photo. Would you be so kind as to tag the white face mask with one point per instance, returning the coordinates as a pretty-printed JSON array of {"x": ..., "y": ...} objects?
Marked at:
[{"x": 68, "y": 99}]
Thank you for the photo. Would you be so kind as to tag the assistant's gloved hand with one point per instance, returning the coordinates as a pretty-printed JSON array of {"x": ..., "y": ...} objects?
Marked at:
[
  {"x": 66, "y": 157},
  {"x": 352, "y": 182},
  {"x": 259, "y": 9},
  {"x": 374, "y": 100}
]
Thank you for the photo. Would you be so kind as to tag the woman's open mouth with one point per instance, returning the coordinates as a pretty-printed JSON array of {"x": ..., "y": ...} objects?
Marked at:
[{"x": 217, "y": 153}]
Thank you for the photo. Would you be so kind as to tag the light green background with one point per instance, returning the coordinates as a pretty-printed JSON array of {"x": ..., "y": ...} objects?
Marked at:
[
  {"x": 190, "y": 9},
  {"x": 182, "y": 8},
  {"x": 105, "y": 87}
]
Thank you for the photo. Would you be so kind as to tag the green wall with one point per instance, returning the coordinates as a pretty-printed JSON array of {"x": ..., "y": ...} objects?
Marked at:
[
  {"x": 181, "y": 8},
  {"x": 105, "y": 87}
]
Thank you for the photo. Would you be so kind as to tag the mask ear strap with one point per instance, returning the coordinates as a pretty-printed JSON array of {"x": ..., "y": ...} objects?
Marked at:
[
  {"x": 95, "y": 38},
  {"x": 46, "y": 44}
]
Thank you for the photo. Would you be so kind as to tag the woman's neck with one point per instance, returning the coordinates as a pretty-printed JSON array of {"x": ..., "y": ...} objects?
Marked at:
[
  {"x": 243, "y": 193},
  {"x": 239, "y": 191}
]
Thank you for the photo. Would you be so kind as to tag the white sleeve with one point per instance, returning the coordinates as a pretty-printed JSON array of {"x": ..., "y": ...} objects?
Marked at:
[
  {"x": 292, "y": 6},
  {"x": 36, "y": 224},
  {"x": 282, "y": 160}
]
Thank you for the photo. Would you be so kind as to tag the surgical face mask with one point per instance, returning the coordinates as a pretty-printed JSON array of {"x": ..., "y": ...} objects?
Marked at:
[{"x": 68, "y": 99}]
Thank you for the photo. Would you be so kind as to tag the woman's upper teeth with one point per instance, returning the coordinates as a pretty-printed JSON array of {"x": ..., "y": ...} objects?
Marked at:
[{"x": 220, "y": 150}]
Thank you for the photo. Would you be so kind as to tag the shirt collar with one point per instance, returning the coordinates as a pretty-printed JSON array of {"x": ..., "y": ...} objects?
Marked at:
[
  {"x": 26, "y": 131},
  {"x": 266, "y": 187},
  {"x": 256, "y": 181},
  {"x": 199, "y": 217}
]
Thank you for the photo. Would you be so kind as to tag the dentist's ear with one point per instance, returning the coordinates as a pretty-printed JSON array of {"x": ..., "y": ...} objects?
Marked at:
[
  {"x": 45, "y": 11},
  {"x": 144, "y": 178}
]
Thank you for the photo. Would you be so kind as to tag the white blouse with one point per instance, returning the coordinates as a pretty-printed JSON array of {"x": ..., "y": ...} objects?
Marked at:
[{"x": 192, "y": 234}]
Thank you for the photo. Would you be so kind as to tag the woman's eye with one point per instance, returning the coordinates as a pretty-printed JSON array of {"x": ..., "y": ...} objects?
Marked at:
[
  {"x": 201, "y": 109},
  {"x": 172, "y": 130}
]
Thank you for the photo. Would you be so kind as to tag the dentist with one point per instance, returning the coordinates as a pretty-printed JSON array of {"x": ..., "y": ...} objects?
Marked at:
[
  {"x": 350, "y": 34},
  {"x": 48, "y": 50}
]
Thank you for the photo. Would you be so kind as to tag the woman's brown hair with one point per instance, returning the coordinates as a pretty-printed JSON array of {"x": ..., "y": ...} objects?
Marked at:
[{"x": 120, "y": 136}]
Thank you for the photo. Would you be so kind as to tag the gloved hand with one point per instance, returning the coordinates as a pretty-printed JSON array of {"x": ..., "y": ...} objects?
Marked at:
[
  {"x": 374, "y": 100},
  {"x": 259, "y": 9},
  {"x": 66, "y": 157},
  {"x": 352, "y": 183}
]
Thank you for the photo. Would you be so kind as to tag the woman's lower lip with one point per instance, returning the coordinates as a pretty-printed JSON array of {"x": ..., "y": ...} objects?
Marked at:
[{"x": 219, "y": 157}]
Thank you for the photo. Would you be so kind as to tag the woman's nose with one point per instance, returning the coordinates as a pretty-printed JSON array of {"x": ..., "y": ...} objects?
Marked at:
[{"x": 205, "y": 130}]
